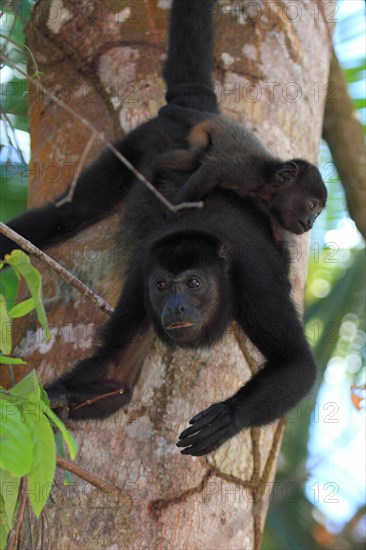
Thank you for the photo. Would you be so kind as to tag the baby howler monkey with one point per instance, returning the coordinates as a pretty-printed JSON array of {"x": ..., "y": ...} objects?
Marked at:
[{"x": 225, "y": 154}]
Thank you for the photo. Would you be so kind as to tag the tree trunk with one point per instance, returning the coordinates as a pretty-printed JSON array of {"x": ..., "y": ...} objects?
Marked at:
[{"x": 105, "y": 61}]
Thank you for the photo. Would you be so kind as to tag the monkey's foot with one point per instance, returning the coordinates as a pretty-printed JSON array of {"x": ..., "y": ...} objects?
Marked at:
[
  {"x": 58, "y": 403},
  {"x": 87, "y": 402}
]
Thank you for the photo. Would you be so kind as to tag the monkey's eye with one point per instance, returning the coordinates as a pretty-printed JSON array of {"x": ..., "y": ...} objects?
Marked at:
[
  {"x": 161, "y": 284},
  {"x": 312, "y": 205},
  {"x": 193, "y": 282}
]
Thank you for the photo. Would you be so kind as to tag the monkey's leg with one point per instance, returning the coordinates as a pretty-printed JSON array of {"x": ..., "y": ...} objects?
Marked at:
[
  {"x": 101, "y": 384},
  {"x": 186, "y": 160}
]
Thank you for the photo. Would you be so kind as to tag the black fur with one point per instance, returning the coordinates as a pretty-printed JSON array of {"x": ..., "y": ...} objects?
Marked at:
[
  {"x": 229, "y": 244},
  {"x": 230, "y": 156}
]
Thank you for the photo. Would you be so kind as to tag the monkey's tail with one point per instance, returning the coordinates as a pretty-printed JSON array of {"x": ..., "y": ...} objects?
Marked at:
[{"x": 189, "y": 63}]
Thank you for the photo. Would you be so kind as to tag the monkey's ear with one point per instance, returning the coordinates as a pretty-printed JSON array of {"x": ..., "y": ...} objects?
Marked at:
[{"x": 287, "y": 174}]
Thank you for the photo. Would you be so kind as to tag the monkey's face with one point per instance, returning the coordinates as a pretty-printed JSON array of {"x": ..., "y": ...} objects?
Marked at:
[
  {"x": 302, "y": 198},
  {"x": 183, "y": 304},
  {"x": 297, "y": 212}
]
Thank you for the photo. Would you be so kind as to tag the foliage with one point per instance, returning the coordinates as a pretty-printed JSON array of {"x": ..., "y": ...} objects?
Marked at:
[
  {"x": 28, "y": 447},
  {"x": 14, "y": 117},
  {"x": 20, "y": 263},
  {"x": 27, "y": 423},
  {"x": 335, "y": 326}
]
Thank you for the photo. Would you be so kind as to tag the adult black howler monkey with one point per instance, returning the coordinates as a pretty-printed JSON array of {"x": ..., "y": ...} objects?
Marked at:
[{"x": 188, "y": 276}]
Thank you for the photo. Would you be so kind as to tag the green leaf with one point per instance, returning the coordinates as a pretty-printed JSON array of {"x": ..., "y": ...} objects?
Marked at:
[
  {"x": 68, "y": 477},
  {"x": 56, "y": 422},
  {"x": 9, "y": 488},
  {"x": 27, "y": 386},
  {"x": 5, "y": 360},
  {"x": 355, "y": 73},
  {"x": 16, "y": 440},
  {"x": 21, "y": 263},
  {"x": 40, "y": 478},
  {"x": 68, "y": 437},
  {"x": 4, "y": 526},
  {"x": 359, "y": 103},
  {"x": 14, "y": 97},
  {"x": 5, "y": 396},
  {"x": 5, "y": 324},
  {"x": 21, "y": 309},
  {"x": 43, "y": 395},
  {"x": 21, "y": 123},
  {"x": 13, "y": 192}
]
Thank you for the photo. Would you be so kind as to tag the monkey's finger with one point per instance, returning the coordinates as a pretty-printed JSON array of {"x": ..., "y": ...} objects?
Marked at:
[
  {"x": 198, "y": 425},
  {"x": 195, "y": 437},
  {"x": 214, "y": 411},
  {"x": 191, "y": 430},
  {"x": 213, "y": 447},
  {"x": 202, "y": 446}
]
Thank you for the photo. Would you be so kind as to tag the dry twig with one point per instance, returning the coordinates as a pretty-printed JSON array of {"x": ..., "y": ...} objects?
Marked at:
[
  {"x": 70, "y": 194},
  {"x": 13, "y": 537},
  {"x": 64, "y": 273},
  {"x": 107, "y": 143},
  {"x": 98, "y": 398},
  {"x": 84, "y": 474}
]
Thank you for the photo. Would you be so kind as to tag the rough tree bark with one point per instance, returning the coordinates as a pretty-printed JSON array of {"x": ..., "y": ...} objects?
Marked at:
[{"x": 105, "y": 60}]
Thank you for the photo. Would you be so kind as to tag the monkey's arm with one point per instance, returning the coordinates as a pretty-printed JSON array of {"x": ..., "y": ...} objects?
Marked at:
[
  {"x": 267, "y": 315},
  {"x": 214, "y": 173},
  {"x": 107, "y": 378}
]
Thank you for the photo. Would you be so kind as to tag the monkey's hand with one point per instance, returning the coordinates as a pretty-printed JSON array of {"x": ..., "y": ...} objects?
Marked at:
[{"x": 209, "y": 429}]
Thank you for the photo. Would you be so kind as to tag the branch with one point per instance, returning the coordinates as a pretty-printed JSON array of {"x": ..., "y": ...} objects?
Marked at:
[
  {"x": 344, "y": 134},
  {"x": 13, "y": 537},
  {"x": 107, "y": 143},
  {"x": 84, "y": 474},
  {"x": 12, "y": 141},
  {"x": 64, "y": 273},
  {"x": 70, "y": 194},
  {"x": 98, "y": 398}
]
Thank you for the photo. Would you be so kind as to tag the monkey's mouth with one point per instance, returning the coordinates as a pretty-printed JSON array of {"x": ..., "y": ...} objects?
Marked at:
[
  {"x": 303, "y": 229},
  {"x": 184, "y": 324}
]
